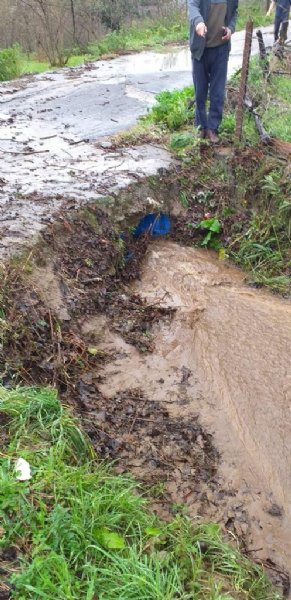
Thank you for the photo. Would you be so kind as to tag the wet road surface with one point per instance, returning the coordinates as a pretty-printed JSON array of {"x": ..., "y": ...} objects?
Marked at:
[{"x": 49, "y": 124}]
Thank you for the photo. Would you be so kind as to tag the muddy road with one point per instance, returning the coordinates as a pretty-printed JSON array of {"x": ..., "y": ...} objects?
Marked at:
[
  {"x": 49, "y": 124},
  {"x": 224, "y": 357}
]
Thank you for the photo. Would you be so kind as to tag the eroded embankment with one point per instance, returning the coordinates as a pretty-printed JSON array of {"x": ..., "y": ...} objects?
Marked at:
[{"x": 181, "y": 375}]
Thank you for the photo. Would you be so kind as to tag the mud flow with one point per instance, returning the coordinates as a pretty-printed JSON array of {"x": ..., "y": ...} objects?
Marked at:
[{"x": 220, "y": 365}]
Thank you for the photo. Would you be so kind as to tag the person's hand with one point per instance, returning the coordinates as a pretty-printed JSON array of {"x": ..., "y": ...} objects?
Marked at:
[
  {"x": 226, "y": 34},
  {"x": 271, "y": 8},
  {"x": 201, "y": 29}
]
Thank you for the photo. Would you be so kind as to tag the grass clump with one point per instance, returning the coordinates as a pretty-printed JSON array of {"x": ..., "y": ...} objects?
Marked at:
[
  {"x": 263, "y": 245},
  {"x": 271, "y": 97},
  {"x": 81, "y": 532}
]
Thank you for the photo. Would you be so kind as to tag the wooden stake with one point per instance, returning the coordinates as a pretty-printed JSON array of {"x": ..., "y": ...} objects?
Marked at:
[{"x": 244, "y": 79}]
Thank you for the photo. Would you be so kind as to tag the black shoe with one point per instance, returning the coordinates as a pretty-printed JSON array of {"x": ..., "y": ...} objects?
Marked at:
[{"x": 202, "y": 134}]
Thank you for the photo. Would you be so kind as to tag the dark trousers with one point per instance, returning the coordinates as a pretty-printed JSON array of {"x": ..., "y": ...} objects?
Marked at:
[
  {"x": 209, "y": 77},
  {"x": 283, "y": 31}
]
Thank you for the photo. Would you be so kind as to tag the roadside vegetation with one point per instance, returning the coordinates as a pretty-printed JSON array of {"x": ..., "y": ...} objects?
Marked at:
[
  {"x": 173, "y": 111},
  {"x": 75, "y": 530},
  {"x": 255, "y": 224},
  {"x": 140, "y": 36},
  {"x": 136, "y": 35}
]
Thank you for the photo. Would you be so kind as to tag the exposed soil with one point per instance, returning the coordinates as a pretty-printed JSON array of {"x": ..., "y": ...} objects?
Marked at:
[{"x": 143, "y": 436}]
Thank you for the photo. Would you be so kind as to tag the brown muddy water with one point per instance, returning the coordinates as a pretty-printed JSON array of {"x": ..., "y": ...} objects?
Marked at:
[{"x": 229, "y": 347}]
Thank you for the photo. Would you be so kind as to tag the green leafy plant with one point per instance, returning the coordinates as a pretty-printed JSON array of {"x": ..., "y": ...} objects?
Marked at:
[
  {"x": 271, "y": 184},
  {"x": 213, "y": 228},
  {"x": 228, "y": 123},
  {"x": 205, "y": 198},
  {"x": 181, "y": 140},
  {"x": 173, "y": 109}
]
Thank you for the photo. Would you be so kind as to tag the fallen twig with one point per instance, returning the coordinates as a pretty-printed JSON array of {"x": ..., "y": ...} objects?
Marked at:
[
  {"x": 24, "y": 153},
  {"x": 265, "y": 137},
  {"x": 85, "y": 141},
  {"x": 48, "y": 137}
]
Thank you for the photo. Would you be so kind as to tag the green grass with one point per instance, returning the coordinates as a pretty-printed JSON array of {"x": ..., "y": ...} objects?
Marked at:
[
  {"x": 82, "y": 532},
  {"x": 142, "y": 35},
  {"x": 277, "y": 114},
  {"x": 263, "y": 246},
  {"x": 272, "y": 99},
  {"x": 278, "y": 120},
  {"x": 28, "y": 65},
  {"x": 253, "y": 9}
]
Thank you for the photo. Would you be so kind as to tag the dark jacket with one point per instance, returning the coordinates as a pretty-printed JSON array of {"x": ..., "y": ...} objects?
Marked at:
[{"x": 198, "y": 13}]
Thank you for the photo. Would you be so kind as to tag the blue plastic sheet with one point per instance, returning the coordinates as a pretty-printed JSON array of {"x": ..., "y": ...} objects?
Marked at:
[{"x": 153, "y": 224}]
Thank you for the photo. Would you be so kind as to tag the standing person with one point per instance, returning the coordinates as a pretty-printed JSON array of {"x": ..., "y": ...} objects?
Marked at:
[
  {"x": 212, "y": 22},
  {"x": 281, "y": 18}
]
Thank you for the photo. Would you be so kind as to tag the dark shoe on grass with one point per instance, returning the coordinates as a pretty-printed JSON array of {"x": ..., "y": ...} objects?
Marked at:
[
  {"x": 202, "y": 134},
  {"x": 212, "y": 136}
]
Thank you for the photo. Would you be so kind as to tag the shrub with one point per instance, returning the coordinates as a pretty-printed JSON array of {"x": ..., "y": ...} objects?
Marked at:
[
  {"x": 173, "y": 109},
  {"x": 10, "y": 59}
]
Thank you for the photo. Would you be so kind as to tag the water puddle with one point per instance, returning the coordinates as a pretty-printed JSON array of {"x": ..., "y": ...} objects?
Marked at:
[{"x": 228, "y": 346}]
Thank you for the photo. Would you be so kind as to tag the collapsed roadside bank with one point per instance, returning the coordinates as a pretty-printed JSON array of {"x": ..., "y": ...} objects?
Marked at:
[{"x": 73, "y": 317}]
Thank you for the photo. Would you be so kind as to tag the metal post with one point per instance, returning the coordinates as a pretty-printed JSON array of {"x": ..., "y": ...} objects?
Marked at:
[{"x": 244, "y": 79}]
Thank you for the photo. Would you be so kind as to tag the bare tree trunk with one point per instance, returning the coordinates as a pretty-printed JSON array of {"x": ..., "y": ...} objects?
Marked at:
[{"x": 73, "y": 20}]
